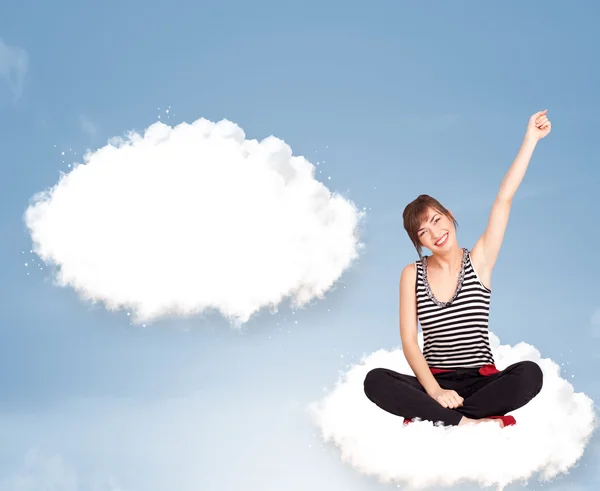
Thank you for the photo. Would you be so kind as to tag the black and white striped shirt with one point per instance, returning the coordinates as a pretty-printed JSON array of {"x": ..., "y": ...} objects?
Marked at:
[{"x": 455, "y": 333}]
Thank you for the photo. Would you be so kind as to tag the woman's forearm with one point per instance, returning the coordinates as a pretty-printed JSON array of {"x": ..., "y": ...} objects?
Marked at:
[
  {"x": 538, "y": 127},
  {"x": 420, "y": 368},
  {"x": 516, "y": 172}
]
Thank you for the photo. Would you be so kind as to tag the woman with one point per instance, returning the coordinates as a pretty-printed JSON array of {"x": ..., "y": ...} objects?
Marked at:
[{"x": 455, "y": 380}]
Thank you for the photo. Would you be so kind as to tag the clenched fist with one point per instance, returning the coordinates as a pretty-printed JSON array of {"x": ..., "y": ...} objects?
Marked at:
[{"x": 539, "y": 125}]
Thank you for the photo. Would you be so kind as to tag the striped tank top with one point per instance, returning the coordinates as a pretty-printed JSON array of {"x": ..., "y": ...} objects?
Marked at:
[{"x": 455, "y": 333}]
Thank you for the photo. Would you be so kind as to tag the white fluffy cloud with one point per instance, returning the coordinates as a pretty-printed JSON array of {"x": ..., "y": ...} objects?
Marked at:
[
  {"x": 194, "y": 217},
  {"x": 551, "y": 434},
  {"x": 13, "y": 67}
]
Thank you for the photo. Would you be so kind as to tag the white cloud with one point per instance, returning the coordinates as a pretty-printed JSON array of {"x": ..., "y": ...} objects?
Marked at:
[
  {"x": 551, "y": 434},
  {"x": 192, "y": 218},
  {"x": 13, "y": 67}
]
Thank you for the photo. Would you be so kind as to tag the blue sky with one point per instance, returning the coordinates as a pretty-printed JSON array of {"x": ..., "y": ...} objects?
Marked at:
[{"x": 396, "y": 101}]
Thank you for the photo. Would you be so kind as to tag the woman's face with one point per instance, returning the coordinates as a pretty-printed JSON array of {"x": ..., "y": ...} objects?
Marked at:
[{"x": 437, "y": 231}]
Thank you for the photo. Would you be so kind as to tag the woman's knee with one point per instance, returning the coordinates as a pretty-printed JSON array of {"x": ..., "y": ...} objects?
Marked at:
[
  {"x": 373, "y": 380},
  {"x": 532, "y": 375}
]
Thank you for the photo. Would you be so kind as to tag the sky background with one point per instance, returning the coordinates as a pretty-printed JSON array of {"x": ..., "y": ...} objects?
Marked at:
[{"x": 394, "y": 100}]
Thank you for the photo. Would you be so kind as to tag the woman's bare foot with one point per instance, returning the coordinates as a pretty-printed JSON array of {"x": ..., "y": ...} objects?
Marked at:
[
  {"x": 499, "y": 421},
  {"x": 465, "y": 421}
]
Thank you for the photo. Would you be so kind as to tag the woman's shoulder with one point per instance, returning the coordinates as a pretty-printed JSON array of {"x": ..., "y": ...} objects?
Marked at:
[
  {"x": 409, "y": 272},
  {"x": 408, "y": 280}
]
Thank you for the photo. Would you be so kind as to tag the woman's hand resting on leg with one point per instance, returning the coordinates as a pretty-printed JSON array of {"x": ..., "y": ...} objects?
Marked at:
[{"x": 447, "y": 398}]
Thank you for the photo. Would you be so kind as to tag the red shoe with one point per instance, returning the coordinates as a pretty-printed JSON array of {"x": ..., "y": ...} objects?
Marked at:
[{"x": 507, "y": 420}]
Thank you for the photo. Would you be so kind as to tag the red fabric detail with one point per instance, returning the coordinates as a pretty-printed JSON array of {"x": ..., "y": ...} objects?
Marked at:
[
  {"x": 407, "y": 421},
  {"x": 487, "y": 370},
  {"x": 507, "y": 420}
]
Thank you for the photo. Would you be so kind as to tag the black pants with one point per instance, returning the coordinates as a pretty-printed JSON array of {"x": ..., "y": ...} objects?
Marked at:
[{"x": 484, "y": 396}]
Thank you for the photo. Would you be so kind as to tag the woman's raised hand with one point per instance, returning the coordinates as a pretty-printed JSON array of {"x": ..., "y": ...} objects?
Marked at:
[{"x": 539, "y": 125}]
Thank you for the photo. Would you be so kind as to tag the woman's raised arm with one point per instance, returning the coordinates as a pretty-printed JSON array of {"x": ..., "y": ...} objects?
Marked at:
[{"x": 485, "y": 251}]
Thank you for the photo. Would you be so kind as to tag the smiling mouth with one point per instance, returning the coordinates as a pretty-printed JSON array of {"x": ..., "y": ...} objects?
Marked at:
[{"x": 442, "y": 240}]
